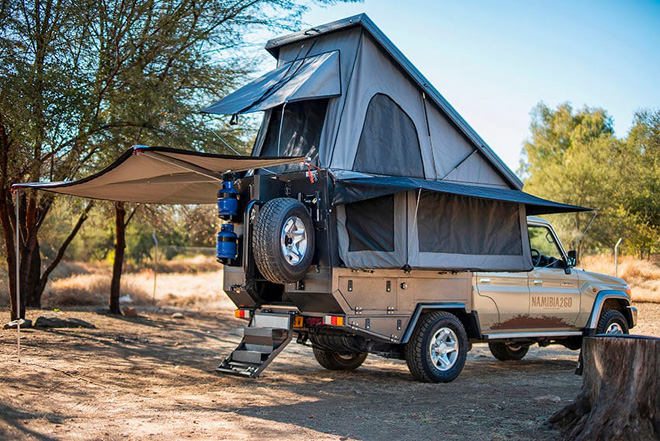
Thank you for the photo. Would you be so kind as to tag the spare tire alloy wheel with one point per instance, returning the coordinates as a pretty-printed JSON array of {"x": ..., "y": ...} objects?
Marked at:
[
  {"x": 283, "y": 240},
  {"x": 293, "y": 240}
]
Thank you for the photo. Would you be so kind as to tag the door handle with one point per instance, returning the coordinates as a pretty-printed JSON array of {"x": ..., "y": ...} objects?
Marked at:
[
  {"x": 538, "y": 282},
  {"x": 484, "y": 280}
]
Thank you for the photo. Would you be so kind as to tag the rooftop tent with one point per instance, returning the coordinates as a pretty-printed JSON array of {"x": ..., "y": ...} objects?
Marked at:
[
  {"x": 160, "y": 175},
  {"x": 382, "y": 117},
  {"x": 391, "y": 222}
]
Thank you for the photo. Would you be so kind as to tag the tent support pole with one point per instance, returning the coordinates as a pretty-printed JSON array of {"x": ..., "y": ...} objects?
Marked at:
[
  {"x": 414, "y": 230},
  {"x": 184, "y": 165},
  {"x": 18, "y": 275}
]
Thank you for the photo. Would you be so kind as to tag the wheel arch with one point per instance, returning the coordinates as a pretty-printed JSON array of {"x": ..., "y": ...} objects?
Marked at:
[
  {"x": 469, "y": 320},
  {"x": 610, "y": 299}
]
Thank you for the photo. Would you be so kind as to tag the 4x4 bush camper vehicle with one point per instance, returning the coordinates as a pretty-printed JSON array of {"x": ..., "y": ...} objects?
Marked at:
[{"x": 371, "y": 218}]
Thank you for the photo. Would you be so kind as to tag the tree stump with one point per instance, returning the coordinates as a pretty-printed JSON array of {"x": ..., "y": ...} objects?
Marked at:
[{"x": 620, "y": 397}]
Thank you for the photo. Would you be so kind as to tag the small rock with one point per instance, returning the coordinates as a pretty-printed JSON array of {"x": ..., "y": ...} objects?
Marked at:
[
  {"x": 129, "y": 311},
  {"x": 177, "y": 315},
  {"x": 57, "y": 321},
  {"x": 120, "y": 339},
  {"x": 548, "y": 398},
  {"x": 125, "y": 299},
  {"x": 25, "y": 323}
]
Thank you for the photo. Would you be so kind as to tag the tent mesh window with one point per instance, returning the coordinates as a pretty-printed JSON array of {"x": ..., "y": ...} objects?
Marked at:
[
  {"x": 300, "y": 132},
  {"x": 464, "y": 225},
  {"x": 388, "y": 143},
  {"x": 370, "y": 224}
]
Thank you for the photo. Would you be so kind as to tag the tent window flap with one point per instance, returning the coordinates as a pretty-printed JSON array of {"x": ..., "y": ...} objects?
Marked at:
[
  {"x": 388, "y": 144},
  {"x": 463, "y": 225},
  {"x": 307, "y": 78}
]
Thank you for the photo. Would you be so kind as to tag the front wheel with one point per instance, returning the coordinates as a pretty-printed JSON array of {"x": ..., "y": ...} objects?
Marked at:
[
  {"x": 339, "y": 361},
  {"x": 437, "y": 349},
  {"x": 508, "y": 352},
  {"x": 612, "y": 322}
]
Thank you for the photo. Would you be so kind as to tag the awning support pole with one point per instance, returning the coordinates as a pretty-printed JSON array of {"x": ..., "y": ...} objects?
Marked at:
[
  {"x": 18, "y": 275},
  {"x": 184, "y": 165}
]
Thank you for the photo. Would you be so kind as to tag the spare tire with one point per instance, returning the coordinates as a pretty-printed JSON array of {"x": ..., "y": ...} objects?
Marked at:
[{"x": 283, "y": 240}]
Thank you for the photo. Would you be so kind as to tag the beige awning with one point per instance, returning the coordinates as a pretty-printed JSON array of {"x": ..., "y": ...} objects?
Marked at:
[{"x": 160, "y": 175}]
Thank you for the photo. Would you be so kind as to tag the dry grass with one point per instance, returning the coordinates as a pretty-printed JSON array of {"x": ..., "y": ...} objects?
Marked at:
[
  {"x": 88, "y": 290},
  {"x": 191, "y": 291},
  {"x": 643, "y": 276}
]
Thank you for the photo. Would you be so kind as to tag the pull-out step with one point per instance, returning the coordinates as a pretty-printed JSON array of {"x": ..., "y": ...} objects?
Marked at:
[{"x": 260, "y": 345}]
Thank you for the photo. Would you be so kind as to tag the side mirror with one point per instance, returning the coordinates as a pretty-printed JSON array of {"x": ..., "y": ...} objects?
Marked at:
[{"x": 572, "y": 258}]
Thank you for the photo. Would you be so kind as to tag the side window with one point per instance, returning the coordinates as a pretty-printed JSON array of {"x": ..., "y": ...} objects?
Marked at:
[
  {"x": 370, "y": 224},
  {"x": 388, "y": 143},
  {"x": 542, "y": 240}
]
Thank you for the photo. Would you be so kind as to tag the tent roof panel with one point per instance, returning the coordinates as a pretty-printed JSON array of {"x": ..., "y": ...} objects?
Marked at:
[{"x": 363, "y": 20}]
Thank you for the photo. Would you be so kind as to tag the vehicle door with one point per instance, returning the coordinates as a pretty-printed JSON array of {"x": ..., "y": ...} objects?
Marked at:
[
  {"x": 502, "y": 300},
  {"x": 554, "y": 291}
]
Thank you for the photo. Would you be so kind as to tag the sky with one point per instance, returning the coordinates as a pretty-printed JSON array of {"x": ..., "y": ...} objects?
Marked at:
[{"x": 495, "y": 60}]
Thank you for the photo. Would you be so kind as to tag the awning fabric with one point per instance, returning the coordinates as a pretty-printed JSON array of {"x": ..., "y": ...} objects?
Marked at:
[
  {"x": 358, "y": 189},
  {"x": 308, "y": 78},
  {"x": 160, "y": 175}
]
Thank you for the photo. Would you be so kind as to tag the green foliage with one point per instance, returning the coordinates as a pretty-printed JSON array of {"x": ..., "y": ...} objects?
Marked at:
[{"x": 574, "y": 157}]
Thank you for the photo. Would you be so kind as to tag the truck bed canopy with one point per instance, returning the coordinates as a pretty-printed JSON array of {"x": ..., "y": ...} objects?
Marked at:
[
  {"x": 348, "y": 190},
  {"x": 160, "y": 175},
  {"x": 391, "y": 222}
]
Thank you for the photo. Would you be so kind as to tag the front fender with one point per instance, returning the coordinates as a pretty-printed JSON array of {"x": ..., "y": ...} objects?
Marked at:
[{"x": 597, "y": 308}]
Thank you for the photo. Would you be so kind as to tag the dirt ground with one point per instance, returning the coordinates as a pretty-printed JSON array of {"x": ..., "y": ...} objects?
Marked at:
[{"x": 152, "y": 377}]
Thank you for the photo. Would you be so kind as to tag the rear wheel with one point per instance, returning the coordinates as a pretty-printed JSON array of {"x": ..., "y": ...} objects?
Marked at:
[
  {"x": 339, "y": 361},
  {"x": 612, "y": 322},
  {"x": 508, "y": 352},
  {"x": 437, "y": 349}
]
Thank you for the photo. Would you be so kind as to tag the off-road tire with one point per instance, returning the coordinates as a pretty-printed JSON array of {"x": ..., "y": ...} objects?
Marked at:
[
  {"x": 266, "y": 240},
  {"x": 504, "y": 352},
  {"x": 417, "y": 350},
  {"x": 339, "y": 361},
  {"x": 609, "y": 317}
]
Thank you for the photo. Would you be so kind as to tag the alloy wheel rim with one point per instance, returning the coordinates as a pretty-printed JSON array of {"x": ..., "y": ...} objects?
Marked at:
[
  {"x": 443, "y": 349},
  {"x": 293, "y": 240},
  {"x": 614, "y": 328}
]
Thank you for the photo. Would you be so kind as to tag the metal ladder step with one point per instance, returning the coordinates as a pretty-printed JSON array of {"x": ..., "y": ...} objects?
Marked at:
[{"x": 259, "y": 346}]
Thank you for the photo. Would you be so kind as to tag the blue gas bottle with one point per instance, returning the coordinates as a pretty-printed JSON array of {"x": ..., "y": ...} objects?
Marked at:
[
  {"x": 227, "y": 200},
  {"x": 227, "y": 244}
]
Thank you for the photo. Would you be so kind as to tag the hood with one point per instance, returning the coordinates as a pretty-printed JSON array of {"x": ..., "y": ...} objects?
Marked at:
[{"x": 602, "y": 279}]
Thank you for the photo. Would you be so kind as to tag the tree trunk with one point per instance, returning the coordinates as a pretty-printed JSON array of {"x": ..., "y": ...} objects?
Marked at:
[
  {"x": 120, "y": 246},
  {"x": 620, "y": 397}
]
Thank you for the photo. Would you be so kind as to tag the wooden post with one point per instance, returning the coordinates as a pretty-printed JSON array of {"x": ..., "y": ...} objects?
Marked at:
[{"x": 620, "y": 397}]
